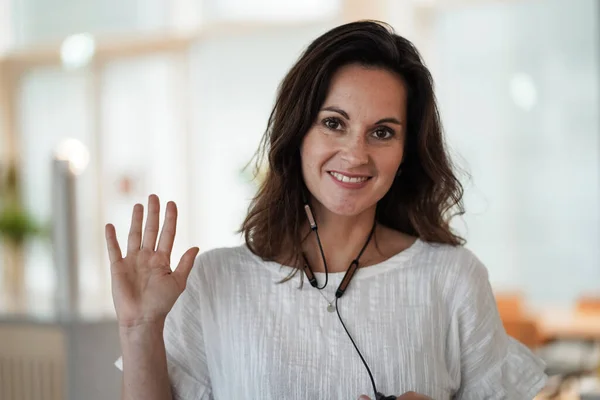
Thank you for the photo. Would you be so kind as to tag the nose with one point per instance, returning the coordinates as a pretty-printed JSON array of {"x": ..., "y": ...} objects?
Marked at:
[{"x": 355, "y": 152}]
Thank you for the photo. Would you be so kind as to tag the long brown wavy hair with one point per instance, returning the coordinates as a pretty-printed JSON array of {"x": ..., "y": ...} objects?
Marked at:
[{"x": 420, "y": 202}]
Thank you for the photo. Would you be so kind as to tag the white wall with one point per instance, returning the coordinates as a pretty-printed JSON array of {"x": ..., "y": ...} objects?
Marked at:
[
  {"x": 6, "y": 31},
  {"x": 36, "y": 21},
  {"x": 532, "y": 203},
  {"x": 234, "y": 81},
  {"x": 42, "y": 21}
]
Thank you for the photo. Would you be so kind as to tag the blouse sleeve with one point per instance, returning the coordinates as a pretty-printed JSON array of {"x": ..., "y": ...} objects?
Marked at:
[
  {"x": 492, "y": 364},
  {"x": 184, "y": 344}
]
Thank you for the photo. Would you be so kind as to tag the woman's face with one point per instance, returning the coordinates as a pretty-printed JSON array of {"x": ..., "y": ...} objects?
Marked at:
[{"x": 351, "y": 154}]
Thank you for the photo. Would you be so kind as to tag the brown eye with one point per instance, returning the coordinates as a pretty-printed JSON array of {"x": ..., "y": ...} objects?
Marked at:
[
  {"x": 332, "y": 123},
  {"x": 383, "y": 134}
]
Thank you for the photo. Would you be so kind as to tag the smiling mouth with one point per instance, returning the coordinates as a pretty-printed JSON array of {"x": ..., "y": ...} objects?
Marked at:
[{"x": 348, "y": 179}]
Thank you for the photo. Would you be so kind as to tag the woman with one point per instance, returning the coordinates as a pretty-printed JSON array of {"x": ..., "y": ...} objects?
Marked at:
[{"x": 357, "y": 199}]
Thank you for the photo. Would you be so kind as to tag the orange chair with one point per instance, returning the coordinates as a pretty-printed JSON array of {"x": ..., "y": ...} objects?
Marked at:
[
  {"x": 525, "y": 331},
  {"x": 515, "y": 320},
  {"x": 588, "y": 304},
  {"x": 510, "y": 305}
]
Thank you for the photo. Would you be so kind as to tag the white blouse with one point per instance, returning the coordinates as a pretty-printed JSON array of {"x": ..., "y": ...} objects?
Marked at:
[{"x": 425, "y": 320}]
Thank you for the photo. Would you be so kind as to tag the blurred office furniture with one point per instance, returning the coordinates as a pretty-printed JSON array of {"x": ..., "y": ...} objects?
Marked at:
[
  {"x": 58, "y": 359},
  {"x": 32, "y": 363},
  {"x": 67, "y": 352},
  {"x": 571, "y": 339},
  {"x": 517, "y": 322},
  {"x": 567, "y": 340},
  {"x": 64, "y": 237},
  {"x": 547, "y": 324},
  {"x": 561, "y": 324},
  {"x": 510, "y": 304},
  {"x": 558, "y": 387},
  {"x": 525, "y": 330},
  {"x": 589, "y": 304}
]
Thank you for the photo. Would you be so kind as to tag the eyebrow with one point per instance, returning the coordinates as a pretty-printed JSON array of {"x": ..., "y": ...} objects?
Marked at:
[{"x": 338, "y": 110}]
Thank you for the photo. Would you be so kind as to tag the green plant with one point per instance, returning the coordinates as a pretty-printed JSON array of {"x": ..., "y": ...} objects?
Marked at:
[{"x": 16, "y": 225}]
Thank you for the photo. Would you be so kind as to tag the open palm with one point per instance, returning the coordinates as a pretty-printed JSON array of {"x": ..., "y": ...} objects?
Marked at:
[{"x": 144, "y": 288}]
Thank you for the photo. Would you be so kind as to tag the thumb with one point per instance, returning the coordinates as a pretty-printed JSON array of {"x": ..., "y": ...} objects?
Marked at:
[
  {"x": 185, "y": 265},
  {"x": 364, "y": 397}
]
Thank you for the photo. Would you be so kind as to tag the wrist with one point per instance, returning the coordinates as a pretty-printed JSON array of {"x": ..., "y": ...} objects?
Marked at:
[{"x": 141, "y": 330}]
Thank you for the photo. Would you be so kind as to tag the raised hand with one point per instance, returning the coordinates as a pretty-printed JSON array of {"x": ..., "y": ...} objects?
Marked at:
[{"x": 143, "y": 287}]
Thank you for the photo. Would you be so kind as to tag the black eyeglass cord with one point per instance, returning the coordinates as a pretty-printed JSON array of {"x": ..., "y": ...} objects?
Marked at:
[{"x": 337, "y": 309}]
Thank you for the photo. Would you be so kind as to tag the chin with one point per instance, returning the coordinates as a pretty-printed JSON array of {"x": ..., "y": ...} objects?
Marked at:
[{"x": 348, "y": 209}]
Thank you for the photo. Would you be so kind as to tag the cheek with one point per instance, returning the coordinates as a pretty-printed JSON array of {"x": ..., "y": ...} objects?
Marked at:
[
  {"x": 308, "y": 158},
  {"x": 389, "y": 170},
  {"x": 388, "y": 163},
  {"x": 313, "y": 153}
]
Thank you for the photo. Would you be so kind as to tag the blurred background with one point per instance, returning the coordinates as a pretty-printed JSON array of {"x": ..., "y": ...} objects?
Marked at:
[{"x": 104, "y": 102}]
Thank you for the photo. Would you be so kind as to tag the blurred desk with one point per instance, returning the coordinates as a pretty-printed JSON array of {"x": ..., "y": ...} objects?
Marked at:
[
  {"x": 45, "y": 354},
  {"x": 556, "y": 324}
]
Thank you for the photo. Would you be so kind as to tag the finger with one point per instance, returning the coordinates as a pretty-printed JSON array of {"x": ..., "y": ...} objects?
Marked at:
[
  {"x": 185, "y": 266},
  {"x": 167, "y": 235},
  {"x": 151, "y": 230},
  {"x": 364, "y": 397},
  {"x": 135, "y": 231},
  {"x": 114, "y": 251}
]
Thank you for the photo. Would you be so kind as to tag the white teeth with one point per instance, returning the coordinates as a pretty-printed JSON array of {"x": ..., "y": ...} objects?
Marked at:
[{"x": 344, "y": 178}]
